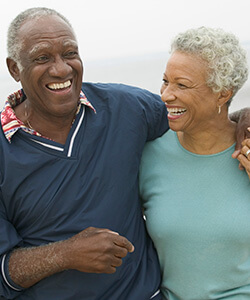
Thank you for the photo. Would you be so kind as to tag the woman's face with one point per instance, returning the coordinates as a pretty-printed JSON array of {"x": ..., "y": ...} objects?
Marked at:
[{"x": 191, "y": 104}]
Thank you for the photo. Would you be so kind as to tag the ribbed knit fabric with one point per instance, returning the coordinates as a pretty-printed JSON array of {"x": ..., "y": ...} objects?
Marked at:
[{"x": 198, "y": 215}]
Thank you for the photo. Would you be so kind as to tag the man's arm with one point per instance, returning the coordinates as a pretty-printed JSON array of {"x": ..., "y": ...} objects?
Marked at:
[
  {"x": 242, "y": 118},
  {"x": 92, "y": 250}
]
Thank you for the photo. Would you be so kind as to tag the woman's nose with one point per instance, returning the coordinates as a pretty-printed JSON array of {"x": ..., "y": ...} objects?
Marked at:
[{"x": 167, "y": 94}]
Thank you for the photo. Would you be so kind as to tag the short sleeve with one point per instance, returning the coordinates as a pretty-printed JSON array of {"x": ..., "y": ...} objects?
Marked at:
[
  {"x": 155, "y": 113},
  {"x": 160, "y": 123}
]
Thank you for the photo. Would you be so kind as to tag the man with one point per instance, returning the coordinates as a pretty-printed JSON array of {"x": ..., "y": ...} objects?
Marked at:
[
  {"x": 69, "y": 209},
  {"x": 71, "y": 225}
]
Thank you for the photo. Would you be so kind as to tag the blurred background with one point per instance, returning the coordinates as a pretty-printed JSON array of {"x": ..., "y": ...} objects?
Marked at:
[{"x": 128, "y": 41}]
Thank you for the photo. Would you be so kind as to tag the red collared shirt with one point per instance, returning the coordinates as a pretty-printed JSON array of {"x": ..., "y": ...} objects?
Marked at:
[{"x": 11, "y": 124}]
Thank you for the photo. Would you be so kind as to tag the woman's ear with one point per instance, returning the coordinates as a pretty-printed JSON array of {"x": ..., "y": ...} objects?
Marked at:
[
  {"x": 224, "y": 97},
  {"x": 13, "y": 69}
]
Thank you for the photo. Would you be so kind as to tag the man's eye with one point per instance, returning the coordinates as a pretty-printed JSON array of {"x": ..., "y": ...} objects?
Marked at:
[
  {"x": 41, "y": 59},
  {"x": 71, "y": 54}
]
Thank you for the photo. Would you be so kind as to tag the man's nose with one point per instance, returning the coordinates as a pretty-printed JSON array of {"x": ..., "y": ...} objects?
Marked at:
[{"x": 60, "y": 68}]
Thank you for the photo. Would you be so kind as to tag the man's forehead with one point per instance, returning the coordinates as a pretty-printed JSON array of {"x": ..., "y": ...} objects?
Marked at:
[{"x": 43, "y": 25}]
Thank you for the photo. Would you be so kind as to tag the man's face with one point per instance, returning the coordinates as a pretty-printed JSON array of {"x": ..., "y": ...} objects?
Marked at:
[{"x": 52, "y": 69}]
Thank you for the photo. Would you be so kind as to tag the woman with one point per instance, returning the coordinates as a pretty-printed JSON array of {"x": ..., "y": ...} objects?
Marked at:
[{"x": 196, "y": 200}]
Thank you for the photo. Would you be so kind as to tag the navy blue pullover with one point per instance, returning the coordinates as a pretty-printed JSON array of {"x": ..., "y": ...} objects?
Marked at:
[{"x": 50, "y": 192}]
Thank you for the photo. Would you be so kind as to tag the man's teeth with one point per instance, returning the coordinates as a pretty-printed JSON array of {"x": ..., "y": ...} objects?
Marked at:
[
  {"x": 176, "y": 111},
  {"x": 57, "y": 86}
]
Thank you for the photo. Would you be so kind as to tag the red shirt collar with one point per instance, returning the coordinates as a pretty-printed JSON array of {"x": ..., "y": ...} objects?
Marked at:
[{"x": 11, "y": 124}]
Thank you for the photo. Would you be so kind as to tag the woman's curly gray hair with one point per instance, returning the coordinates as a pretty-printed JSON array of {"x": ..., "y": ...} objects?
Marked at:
[
  {"x": 226, "y": 59},
  {"x": 14, "y": 44}
]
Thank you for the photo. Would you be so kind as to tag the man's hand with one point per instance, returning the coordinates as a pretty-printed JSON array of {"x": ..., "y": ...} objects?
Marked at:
[
  {"x": 237, "y": 153},
  {"x": 242, "y": 118},
  {"x": 93, "y": 250},
  {"x": 244, "y": 156},
  {"x": 96, "y": 250}
]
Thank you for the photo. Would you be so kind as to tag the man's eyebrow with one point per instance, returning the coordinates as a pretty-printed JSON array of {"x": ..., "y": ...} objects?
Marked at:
[
  {"x": 70, "y": 43},
  {"x": 36, "y": 48},
  {"x": 44, "y": 46}
]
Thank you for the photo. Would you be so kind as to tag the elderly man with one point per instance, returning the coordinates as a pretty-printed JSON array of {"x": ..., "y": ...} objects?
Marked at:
[
  {"x": 69, "y": 209},
  {"x": 71, "y": 225}
]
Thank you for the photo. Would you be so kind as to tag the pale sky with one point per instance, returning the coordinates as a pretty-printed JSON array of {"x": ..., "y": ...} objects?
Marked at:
[
  {"x": 112, "y": 29},
  {"x": 115, "y": 28}
]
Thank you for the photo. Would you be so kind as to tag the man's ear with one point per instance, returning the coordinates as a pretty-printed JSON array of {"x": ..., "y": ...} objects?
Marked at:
[{"x": 13, "y": 69}]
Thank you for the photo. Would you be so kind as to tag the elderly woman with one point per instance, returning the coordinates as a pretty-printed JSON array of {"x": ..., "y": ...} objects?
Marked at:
[{"x": 196, "y": 200}]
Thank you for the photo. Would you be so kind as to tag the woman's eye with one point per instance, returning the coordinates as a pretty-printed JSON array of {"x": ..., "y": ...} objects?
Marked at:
[
  {"x": 165, "y": 82},
  {"x": 182, "y": 86}
]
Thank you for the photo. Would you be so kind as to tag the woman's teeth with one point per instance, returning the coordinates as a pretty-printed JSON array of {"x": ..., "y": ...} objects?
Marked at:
[{"x": 176, "y": 111}]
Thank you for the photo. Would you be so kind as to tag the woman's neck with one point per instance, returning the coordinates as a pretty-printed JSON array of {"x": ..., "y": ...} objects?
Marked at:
[{"x": 214, "y": 139}]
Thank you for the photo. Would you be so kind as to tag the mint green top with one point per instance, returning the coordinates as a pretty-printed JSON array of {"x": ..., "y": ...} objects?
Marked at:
[{"x": 197, "y": 210}]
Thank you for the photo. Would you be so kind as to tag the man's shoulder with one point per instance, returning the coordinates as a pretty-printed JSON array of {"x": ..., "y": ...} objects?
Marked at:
[{"x": 118, "y": 90}]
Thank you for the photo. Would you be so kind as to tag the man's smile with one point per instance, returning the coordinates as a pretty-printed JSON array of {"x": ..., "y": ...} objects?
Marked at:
[{"x": 59, "y": 86}]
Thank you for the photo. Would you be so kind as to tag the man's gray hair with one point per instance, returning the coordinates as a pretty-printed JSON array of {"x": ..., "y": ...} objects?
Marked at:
[
  {"x": 14, "y": 44},
  {"x": 226, "y": 59}
]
